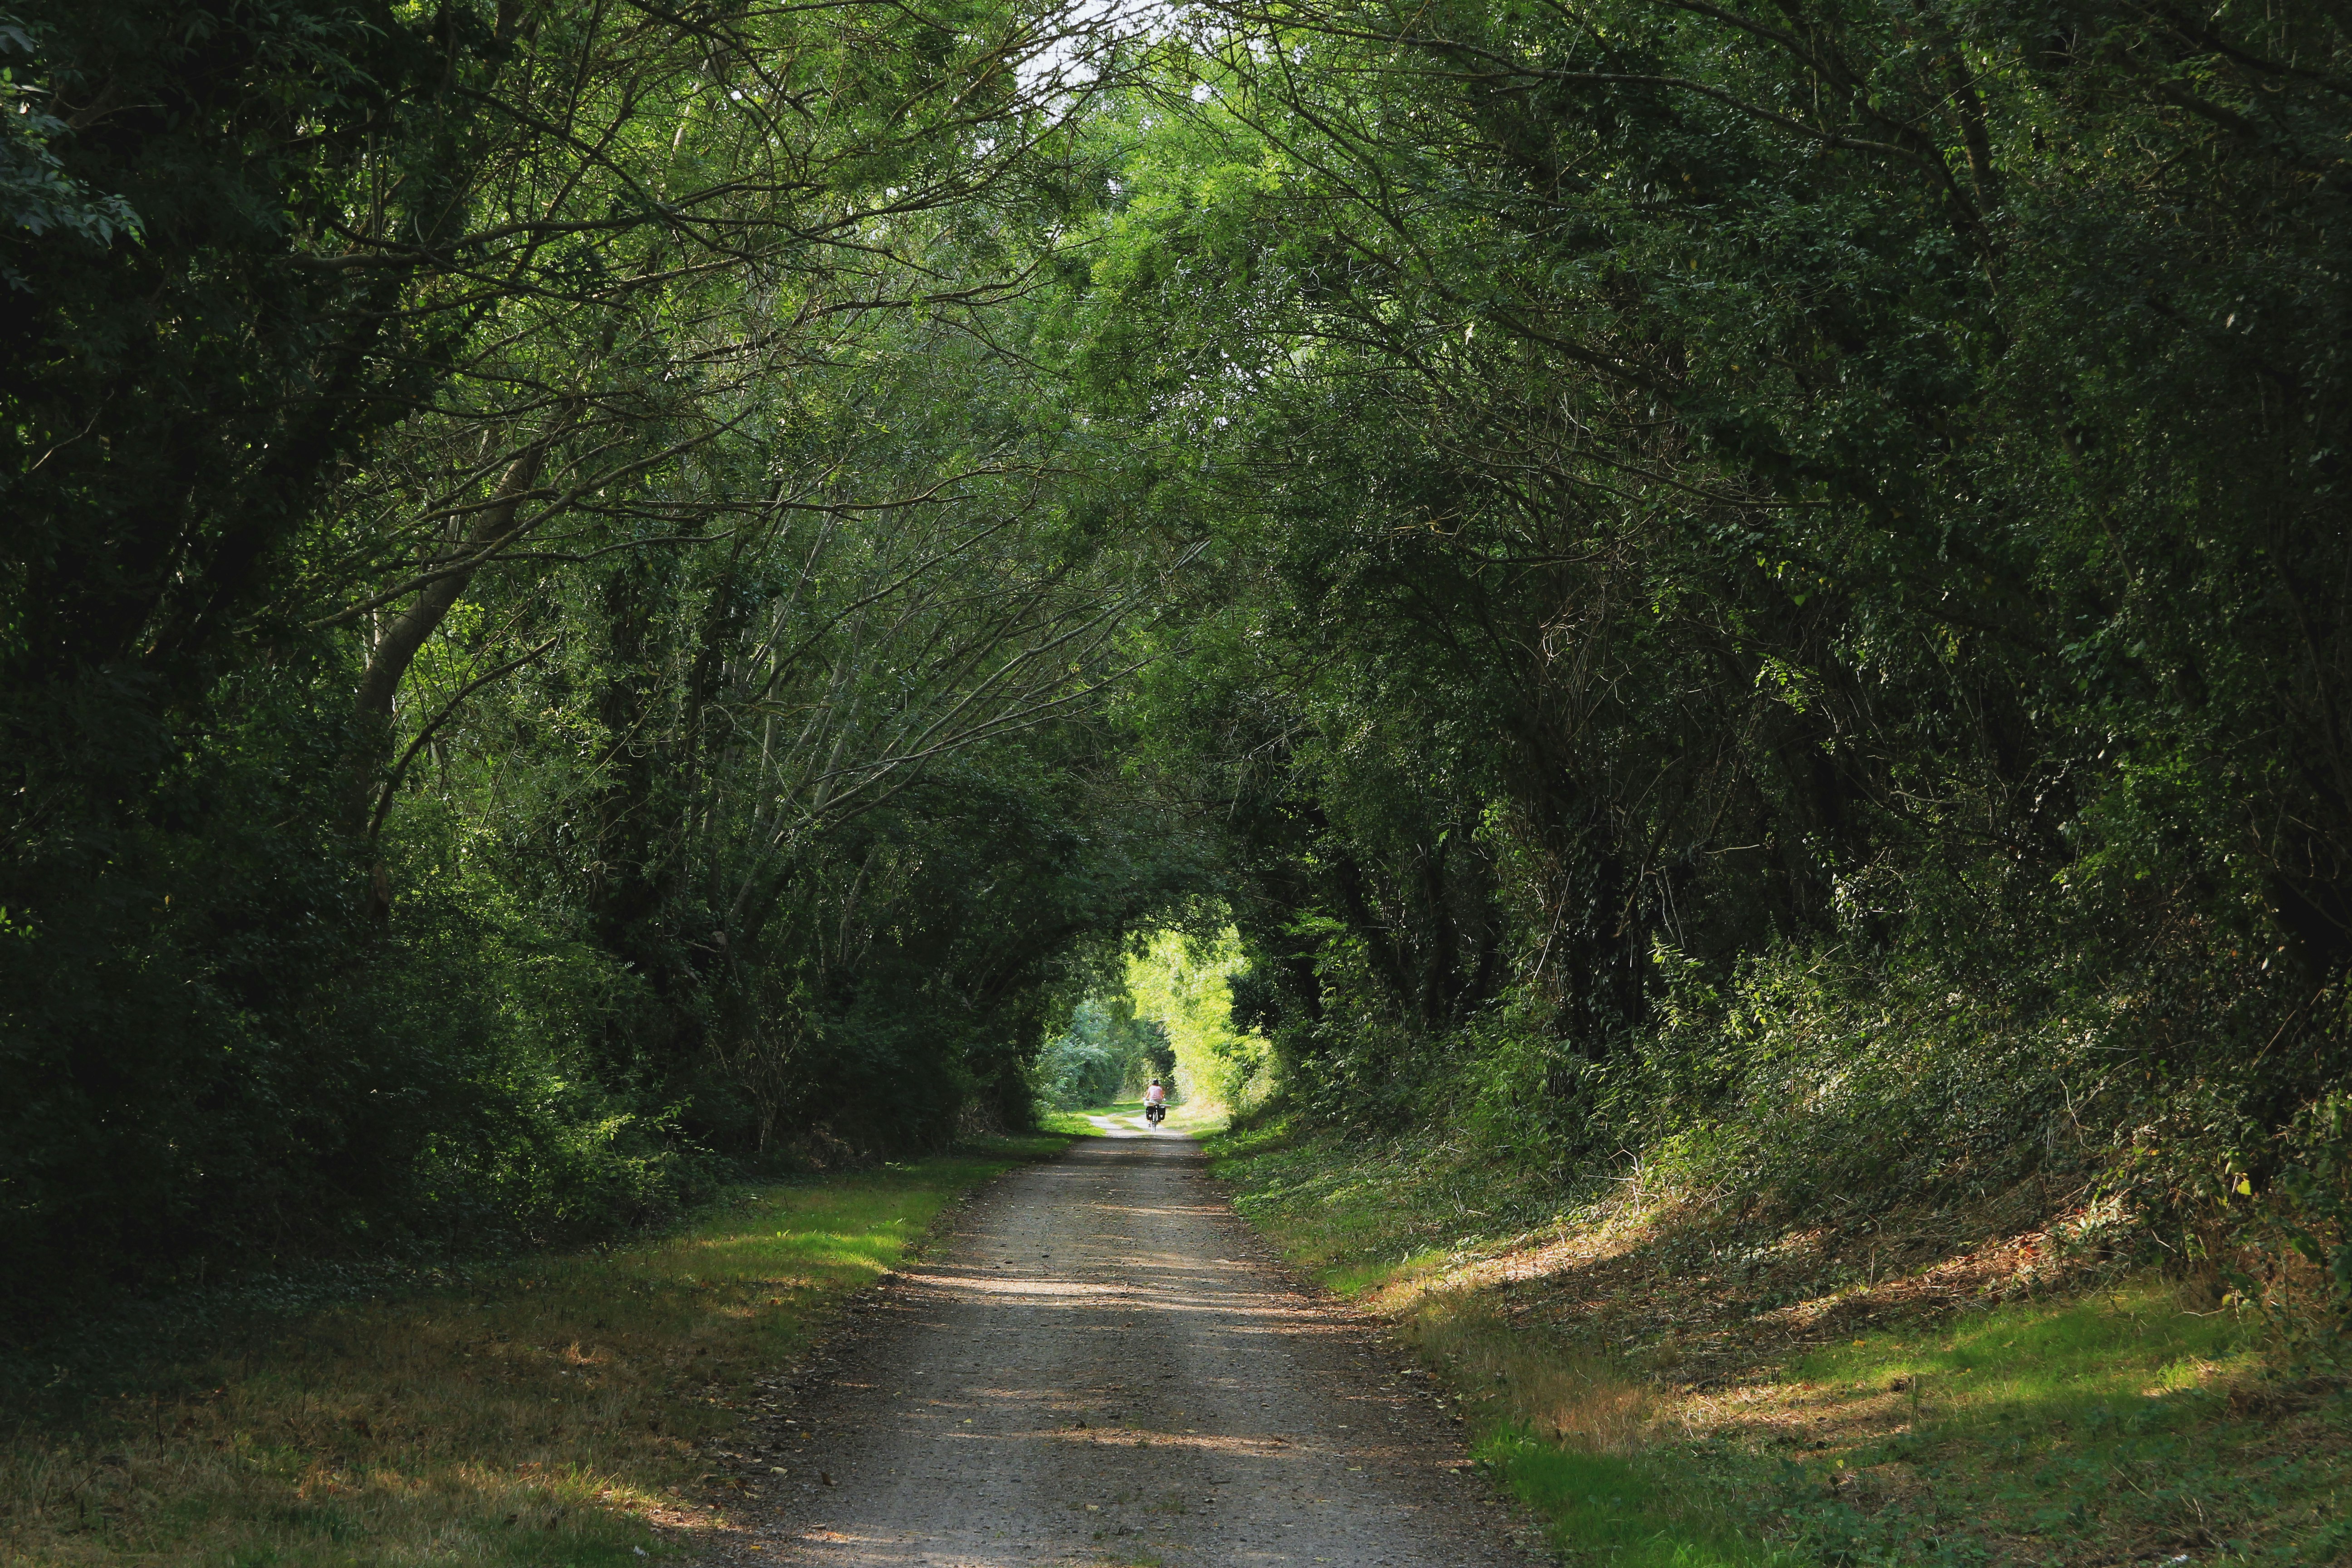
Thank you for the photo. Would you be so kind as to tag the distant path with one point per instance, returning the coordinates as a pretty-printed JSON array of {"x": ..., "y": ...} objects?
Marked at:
[{"x": 1101, "y": 1366}]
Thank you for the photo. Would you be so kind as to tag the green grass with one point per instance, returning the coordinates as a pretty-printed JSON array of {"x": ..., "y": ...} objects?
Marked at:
[
  {"x": 549, "y": 1415},
  {"x": 1635, "y": 1511},
  {"x": 2069, "y": 1429},
  {"x": 2110, "y": 1428},
  {"x": 1182, "y": 1118},
  {"x": 2042, "y": 1363},
  {"x": 1079, "y": 1123},
  {"x": 1377, "y": 1213}
]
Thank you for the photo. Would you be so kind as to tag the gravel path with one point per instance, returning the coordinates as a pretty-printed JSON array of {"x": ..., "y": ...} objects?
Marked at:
[{"x": 1098, "y": 1364}]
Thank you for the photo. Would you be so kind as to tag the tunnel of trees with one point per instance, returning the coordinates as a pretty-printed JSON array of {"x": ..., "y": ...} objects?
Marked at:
[{"x": 599, "y": 592}]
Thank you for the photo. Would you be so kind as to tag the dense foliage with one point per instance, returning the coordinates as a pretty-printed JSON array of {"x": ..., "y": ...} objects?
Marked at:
[
  {"x": 1106, "y": 1055},
  {"x": 546, "y": 636},
  {"x": 1797, "y": 576},
  {"x": 595, "y": 591}
]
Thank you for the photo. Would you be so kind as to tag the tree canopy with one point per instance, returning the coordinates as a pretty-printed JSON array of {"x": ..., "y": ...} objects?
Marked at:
[{"x": 596, "y": 594}]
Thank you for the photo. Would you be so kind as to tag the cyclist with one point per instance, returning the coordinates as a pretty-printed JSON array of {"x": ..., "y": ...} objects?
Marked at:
[{"x": 1155, "y": 1103}]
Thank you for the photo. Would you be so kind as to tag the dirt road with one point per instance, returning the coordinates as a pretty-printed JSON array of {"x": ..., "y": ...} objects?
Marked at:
[{"x": 1101, "y": 1364}]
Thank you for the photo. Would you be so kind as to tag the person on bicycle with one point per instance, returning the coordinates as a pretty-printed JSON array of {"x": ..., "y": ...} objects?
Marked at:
[{"x": 1155, "y": 1102}]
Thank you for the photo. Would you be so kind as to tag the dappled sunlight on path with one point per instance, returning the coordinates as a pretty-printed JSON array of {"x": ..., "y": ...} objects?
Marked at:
[{"x": 1102, "y": 1366}]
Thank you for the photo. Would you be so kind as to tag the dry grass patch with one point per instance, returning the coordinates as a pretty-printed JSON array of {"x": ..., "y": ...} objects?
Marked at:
[{"x": 1529, "y": 1383}]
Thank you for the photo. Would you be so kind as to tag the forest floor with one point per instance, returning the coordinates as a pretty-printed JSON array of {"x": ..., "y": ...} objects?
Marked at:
[
  {"x": 1947, "y": 1387},
  {"x": 574, "y": 1408}
]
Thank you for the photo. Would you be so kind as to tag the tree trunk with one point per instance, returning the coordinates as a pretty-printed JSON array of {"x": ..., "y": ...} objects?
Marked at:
[{"x": 407, "y": 634}]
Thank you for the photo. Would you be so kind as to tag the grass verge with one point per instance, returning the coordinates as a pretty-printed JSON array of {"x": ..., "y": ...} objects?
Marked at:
[
  {"x": 1665, "y": 1388},
  {"x": 570, "y": 1410},
  {"x": 1126, "y": 1116}
]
